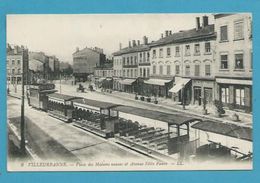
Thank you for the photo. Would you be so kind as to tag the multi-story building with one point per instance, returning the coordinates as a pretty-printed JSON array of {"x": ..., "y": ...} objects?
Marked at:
[
  {"x": 37, "y": 66},
  {"x": 54, "y": 67},
  {"x": 126, "y": 66},
  {"x": 85, "y": 60},
  {"x": 181, "y": 64},
  {"x": 234, "y": 60},
  {"x": 17, "y": 63},
  {"x": 104, "y": 75}
]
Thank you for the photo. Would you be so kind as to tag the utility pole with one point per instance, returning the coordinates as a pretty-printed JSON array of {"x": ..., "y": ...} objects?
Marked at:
[
  {"x": 22, "y": 143},
  {"x": 183, "y": 97}
]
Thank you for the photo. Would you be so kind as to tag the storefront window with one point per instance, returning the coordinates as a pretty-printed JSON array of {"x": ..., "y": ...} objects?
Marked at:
[
  {"x": 225, "y": 95},
  {"x": 240, "y": 96}
]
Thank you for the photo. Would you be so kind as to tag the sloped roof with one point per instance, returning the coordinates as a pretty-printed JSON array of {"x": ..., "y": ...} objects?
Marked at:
[
  {"x": 173, "y": 118},
  {"x": 187, "y": 35},
  {"x": 95, "y": 103},
  {"x": 62, "y": 96},
  {"x": 227, "y": 129},
  {"x": 137, "y": 48},
  {"x": 84, "y": 50}
]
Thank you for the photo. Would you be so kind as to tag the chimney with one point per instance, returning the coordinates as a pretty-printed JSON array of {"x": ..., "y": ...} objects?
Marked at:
[
  {"x": 170, "y": 32},
  {"x": 205, "y": 21},
  {"x": 138, "y": 42},
  {"x": 134, "y": 43},
  {"x": 166, "y": 33},
  {"x": 120, "y": 46},
  {"x": 197, "y": 23},
  {"x": 129, "y": 44},
  {"x": 161, "y": 35},
  {"x": 145, "y": 39},
  {"x": 15, "y": 49}
]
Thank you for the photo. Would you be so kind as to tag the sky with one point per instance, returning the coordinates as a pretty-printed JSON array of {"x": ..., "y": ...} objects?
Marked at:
[{"x": 59, "y": 35}]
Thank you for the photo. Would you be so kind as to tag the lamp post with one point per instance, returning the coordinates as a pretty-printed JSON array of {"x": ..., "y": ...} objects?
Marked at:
[{"x": 22, "y": 143}]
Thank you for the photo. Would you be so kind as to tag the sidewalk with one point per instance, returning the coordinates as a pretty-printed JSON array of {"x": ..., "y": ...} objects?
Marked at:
[{"x": 245, "y": 119}]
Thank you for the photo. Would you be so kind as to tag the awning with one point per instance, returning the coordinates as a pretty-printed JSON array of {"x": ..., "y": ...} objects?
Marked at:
[
  {"x": 127, "y": 81},
  {"x": 108, "y": 79},
  {"x": 160, "y": 82},
  {"x": 101, "y": 79},
  {"x": 226, "y": 129},
  {"x": 234, "y": 81},
  {"x": 48, "y": 91},
  {"x": 179, "y": 85}
]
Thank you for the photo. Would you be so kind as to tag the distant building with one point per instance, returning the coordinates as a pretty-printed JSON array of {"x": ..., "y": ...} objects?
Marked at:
[
  {"x": 104, "y": 75},
  {"x": 85, "y": 60},
  {"x": 37, "y": 66},
  {"x": 17, "y": 62},
  {"x": 234, "y": 61},
  {"x": 54, "y": 67}
]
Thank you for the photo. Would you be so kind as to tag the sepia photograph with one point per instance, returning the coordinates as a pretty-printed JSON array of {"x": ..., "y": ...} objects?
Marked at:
[{"x": 129, "y": 92}]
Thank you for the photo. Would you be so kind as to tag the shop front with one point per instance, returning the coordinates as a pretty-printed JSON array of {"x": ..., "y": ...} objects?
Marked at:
[
  {"x": 129, "y": 85},
  {"x": 236, "y": 94},
  {"x": 158, "y": 87},
  {"x": 181, "y": 90},
  {"x": 202, "y": 89}
]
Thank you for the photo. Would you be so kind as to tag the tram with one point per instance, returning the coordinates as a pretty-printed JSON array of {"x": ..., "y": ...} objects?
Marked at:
[{"x": 157, "y": 134}]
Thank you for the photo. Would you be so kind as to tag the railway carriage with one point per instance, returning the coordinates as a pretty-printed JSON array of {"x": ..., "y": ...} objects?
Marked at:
[
  {"x": 61, "y": 106},
  {"x": 38, "y": 95}
]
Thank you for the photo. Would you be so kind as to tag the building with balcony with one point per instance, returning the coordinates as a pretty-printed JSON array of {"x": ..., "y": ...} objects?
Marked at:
[
  {"x": 184, "y": 63},
  {"x": 234, "y": 61},
  {"x": 127, "y": 64},
  {"x": 17, "y": 63}
]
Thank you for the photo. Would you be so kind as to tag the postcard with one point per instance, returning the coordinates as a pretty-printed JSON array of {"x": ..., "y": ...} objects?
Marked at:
[{"x": 129, "y": 92}]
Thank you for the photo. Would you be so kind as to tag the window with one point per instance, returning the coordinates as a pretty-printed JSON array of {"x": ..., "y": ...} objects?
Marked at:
[
  {"x": 135, "y": 60},
  {"x": 127, "y": 75},
  {"x": 13, "y": 71},
  {"x": 124, "y": 61},
  {"x": 144, "y": 56},
  {"x": 207, "y": 47},
  {"x": 131, "y": 60},
  {"x": 148, "y": 72},
  {"x": 187, "y": 70},
  {"x": 154, "y": 53},
  {"x": 168, "y": 69},
  {"x": 197, "y": 49},
  {"x": 225, "y": 95},
  {"x": 168, "y": 52},
  {"x": 127, "y": 60},
  {"x": 144, "y": 72},
  {"x": 197, "y": 70},
  {"x": 207, "y": 70},
  {"x": 13, "y": 62},
  {"x": 177, "y": 69},
  {"x": 238, "y": 30},
  {"x": 141, "y": 72},
  {"x": 187, "y": 50},
  {"x": 240, "y": 96},
  {"x": 239, "y": 61},
  {"x": 224, "y": 61},
  {"x": 154, "y": 69},
  {"x": 141, "y": 55},
  {"x": 124, "y": 73},
  {"x": 148, "y": 56},
  {"x": 161, "y": 53},
  {"x": 177, "y": 51},
  {"x": 131, "y": 73},
  {"x": 161, "y": 70},
  {"x": 223, "y": 33}
]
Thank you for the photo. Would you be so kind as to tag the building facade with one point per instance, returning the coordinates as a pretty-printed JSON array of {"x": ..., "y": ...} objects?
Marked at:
[
  {"x": 234, "y": 63},
  {"x": 127, "y": 68},
  {"x": 17, "y": 63},
  {"x": 85, "y": 60},
  {"x": 104, "y": 76}
]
